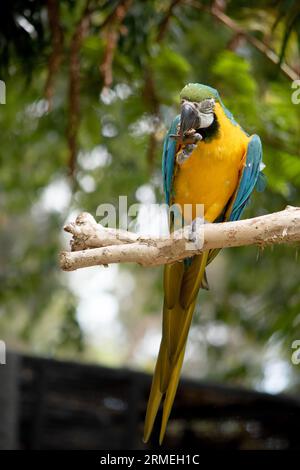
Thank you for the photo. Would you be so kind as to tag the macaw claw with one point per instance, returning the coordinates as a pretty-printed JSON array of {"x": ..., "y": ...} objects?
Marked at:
[
  {"x": 193, "y": 235},
  {"x": 190, "y": 137},
  {"x": 185, "y": 153},
  {"x": 189, "y": 143}
]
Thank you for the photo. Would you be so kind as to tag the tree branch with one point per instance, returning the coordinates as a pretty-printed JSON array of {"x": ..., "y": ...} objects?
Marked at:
[
  {"x": 112, "y": 32},
  {"x": 93, "y": 245},
  {"x": 57, "y": 48},
  {"x": 163, "y": 26},
  {"x": 237, "y": 29},
  {"x": 74, "y": 85}
]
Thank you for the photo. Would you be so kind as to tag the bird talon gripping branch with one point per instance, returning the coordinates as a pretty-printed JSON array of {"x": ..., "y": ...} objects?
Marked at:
[{"x": 195, "y": 231}]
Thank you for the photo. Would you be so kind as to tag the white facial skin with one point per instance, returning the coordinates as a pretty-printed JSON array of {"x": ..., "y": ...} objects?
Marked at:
[{"x": 205, "y": 111}]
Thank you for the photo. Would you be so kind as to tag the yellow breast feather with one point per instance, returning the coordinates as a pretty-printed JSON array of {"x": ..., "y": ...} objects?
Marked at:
[{"x": 210, "y": 175}]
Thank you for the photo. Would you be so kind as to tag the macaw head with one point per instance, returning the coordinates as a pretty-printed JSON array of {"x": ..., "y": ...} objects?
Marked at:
[{"x": 197, "y": 107}]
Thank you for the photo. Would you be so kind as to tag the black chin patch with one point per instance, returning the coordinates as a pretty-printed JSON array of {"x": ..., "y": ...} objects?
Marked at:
[{"x": 210, "y": 132}]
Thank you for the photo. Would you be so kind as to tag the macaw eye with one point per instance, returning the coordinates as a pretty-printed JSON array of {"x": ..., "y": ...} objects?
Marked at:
[{"x": 207, "y": 105}]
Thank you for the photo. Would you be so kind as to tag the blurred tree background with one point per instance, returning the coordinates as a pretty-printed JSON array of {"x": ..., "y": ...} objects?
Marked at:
[{"x": 91, "y": 87}]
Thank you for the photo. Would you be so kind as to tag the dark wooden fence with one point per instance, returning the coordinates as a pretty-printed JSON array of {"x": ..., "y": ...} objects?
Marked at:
[{"x": 48, "y": 404}]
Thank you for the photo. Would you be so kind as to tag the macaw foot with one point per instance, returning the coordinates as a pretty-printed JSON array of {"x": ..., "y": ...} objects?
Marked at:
[
  {"x": 195, "y": 234},
  {"x": 190, "y": 137},
  {"x": 185, "y": 153},
  {"x": 190, "y": 143}
]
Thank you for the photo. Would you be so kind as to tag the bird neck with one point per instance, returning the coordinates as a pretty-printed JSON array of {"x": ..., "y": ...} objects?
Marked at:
[{"x": 211, "y": 132}]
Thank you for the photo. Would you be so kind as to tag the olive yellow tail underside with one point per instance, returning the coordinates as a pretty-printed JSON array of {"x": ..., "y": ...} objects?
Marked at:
[{"x": 181, "y": 285}]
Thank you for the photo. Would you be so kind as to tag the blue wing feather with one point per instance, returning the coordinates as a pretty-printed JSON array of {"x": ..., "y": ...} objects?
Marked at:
[
  {"x": 168, "y": 159},
  {"x": 251, "y": 177}
]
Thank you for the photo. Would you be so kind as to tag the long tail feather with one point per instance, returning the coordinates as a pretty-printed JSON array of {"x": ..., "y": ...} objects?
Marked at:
[
  {"x": 170, "y": 395},
  {"x": 192, "y": 280},
  {"x": 154, "y": 399},
  {"x": 179, "y": 305},
  {"x": 173, "y": 274}
]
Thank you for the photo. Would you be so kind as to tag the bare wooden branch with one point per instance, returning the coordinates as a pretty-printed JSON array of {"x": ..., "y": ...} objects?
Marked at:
[{"x": 93, "y": 244}]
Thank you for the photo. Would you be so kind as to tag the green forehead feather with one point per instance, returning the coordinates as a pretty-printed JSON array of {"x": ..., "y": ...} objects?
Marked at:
[{"x": 198, "y": 92}]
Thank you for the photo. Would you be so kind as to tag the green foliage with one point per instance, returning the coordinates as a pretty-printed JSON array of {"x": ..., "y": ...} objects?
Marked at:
[{"x": 254, "y": 294}]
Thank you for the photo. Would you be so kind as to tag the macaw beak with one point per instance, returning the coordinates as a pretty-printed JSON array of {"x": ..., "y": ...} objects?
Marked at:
[{"x": 189, "y": 118}]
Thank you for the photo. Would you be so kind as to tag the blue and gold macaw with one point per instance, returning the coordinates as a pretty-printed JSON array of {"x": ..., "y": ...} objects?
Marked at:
[{"x": 207, "y": 159}]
